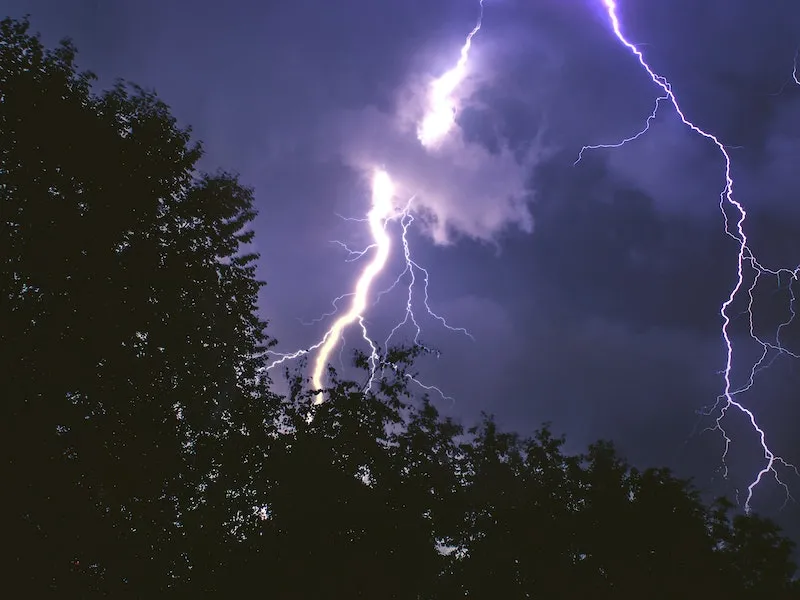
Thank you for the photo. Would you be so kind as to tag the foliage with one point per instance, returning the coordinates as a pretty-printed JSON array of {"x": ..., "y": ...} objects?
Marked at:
[
  {"x": 131, "y": 341},
  {"x": 146, "y": 456}
]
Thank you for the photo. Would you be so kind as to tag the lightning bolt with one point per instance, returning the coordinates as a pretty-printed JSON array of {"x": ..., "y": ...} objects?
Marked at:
[
  {"x": 442, "y": 106},
  {"x": 728, "y": 400},
  {"x": 436, "y": 124},
  {"x": 383, "y": 212}
]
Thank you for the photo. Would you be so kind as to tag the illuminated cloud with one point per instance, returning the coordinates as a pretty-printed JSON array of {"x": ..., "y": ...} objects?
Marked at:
[{"x": 461, "y": 188}]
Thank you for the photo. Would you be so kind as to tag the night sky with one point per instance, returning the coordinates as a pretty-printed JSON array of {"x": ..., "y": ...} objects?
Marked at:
[{"x": 593, "y": 290}]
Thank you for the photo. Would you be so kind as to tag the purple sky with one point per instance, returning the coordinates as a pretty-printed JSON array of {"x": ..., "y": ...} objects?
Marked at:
[{"x": 593, "y": 291}]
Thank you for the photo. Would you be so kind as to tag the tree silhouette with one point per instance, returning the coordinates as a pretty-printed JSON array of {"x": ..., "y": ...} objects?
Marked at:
[{"x": 130, "y": 336}]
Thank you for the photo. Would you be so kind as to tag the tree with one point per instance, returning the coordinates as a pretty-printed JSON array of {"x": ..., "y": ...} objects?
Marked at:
[
  {"x": 544, "y": 524},
  {"x": 757, "y": 558},
  {"x": 131, "y": 342},
  {"x": 353, "y": 495}
]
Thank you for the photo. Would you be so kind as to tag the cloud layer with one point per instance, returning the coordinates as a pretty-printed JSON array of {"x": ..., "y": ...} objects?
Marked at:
[{"x": 460, "y": 188}]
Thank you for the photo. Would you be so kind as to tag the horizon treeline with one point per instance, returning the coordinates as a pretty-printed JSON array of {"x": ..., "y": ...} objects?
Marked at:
[{"x": 145, "y": 454}]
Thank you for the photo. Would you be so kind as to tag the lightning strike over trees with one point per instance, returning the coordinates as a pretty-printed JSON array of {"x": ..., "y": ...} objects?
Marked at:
[
  {"x": 436, "y": 123},
  {"x": 144, "y": 454},
  {"x": 382, "y": 210}
]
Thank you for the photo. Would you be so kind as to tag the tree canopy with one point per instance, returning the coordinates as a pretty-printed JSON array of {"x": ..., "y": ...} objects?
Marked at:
[{"x": 145, "y": 454}]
